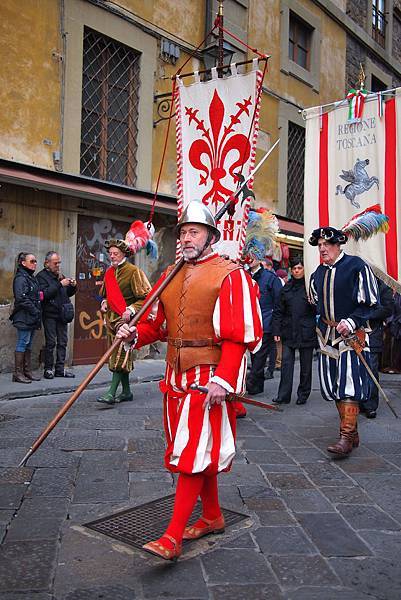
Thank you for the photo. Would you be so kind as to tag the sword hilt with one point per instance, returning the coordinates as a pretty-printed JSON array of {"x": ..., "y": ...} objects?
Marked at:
[{"x": 199, "y": 388}]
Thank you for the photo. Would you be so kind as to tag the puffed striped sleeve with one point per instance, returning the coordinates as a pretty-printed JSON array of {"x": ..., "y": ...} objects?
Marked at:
[
  {"x": 312, "y": 296},
  {"x": 237, "y": 322},
  {"x": 366, "y": 294},
  {"x": 237, "y": 316}
]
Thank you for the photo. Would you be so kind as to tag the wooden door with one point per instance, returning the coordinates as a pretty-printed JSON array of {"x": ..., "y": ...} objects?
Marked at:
[{"x": 91, "y": 263}]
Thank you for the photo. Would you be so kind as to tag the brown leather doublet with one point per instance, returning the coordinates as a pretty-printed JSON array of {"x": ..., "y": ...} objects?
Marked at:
[{"x": 189, "y": 301}]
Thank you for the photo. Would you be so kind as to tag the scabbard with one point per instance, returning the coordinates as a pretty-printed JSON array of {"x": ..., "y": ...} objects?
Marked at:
[{"x": 238, "y": 398}]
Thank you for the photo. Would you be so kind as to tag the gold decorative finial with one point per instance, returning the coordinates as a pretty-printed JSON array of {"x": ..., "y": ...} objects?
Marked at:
[
  {"x": 220, "y": 11},
  {"x": 361, "y": 77}
]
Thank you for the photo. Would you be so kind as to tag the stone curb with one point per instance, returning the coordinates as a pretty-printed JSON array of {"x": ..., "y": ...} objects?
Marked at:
[{"x": 69, "y": 389}]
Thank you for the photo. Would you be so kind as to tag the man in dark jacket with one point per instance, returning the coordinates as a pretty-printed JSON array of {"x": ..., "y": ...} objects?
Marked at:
[
  {"x": 57, "y": 312},
  {"x": 378, "y": 315},
  {"x": 270, "y": 287},
  {"x": 294, "y": 323}
]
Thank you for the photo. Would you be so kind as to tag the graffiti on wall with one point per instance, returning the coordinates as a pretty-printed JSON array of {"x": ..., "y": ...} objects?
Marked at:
[{"x": 91, "y": 263}]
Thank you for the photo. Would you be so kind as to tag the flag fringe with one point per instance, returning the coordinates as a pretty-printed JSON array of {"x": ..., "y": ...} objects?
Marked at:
[{"x": 385, "y": 277}]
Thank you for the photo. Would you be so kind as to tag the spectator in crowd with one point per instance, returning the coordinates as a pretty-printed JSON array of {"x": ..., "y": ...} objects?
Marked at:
[
  {"x": 58, "y": 311},
  {"x": 270, "y": 288},
  {"x": 283, "y": 275},
  {"x": 391, "y": 358},
  {"x": 267, "y": 264},
  {"x": 376, "y": 321},
  {"x": 25, "y": 316},
  {"x": 294, "y": 324}
]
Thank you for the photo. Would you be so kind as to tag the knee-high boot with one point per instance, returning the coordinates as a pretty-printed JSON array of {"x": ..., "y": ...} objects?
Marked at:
[
  {"x": 28, "y": 366},
  {"x": 18, "y": 375},
  {"x": 126, "y": 395},
  {"x": 349, "y": 438},
  {"x": 110, "y": 396}
]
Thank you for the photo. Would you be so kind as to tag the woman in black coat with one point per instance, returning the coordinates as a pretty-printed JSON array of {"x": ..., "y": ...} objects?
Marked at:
[
  {"x": 294, "y": 323},
  {"x": 26, "y": 315}
]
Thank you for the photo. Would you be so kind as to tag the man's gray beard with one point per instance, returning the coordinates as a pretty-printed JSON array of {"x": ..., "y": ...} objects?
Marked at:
[
  {"x": 196, "y": 255},
  {"x": 189, "y": 258}
]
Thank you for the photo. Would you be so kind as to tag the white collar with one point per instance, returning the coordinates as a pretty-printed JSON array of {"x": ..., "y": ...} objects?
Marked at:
[
  {"x": 256, "y": 270},
  {"x": 122, "y": 262},
  {"x": 336, "y": 261},
  {"x": 207, "y": 257}
]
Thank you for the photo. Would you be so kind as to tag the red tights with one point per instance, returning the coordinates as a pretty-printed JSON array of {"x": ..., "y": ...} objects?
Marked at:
[{"x": 189, "y": 488}]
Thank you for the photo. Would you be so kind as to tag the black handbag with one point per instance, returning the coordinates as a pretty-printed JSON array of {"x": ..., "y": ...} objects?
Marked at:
[{"x": 67, "y": 312}]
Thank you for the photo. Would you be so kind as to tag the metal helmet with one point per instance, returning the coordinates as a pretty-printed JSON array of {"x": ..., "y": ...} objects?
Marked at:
[{"x": 197, "y": 212}]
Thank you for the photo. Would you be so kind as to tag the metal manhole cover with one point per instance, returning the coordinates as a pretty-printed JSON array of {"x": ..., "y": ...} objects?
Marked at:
[
  {"x": 8, "y": 418},
  {"x": 16, "y": 475},
  {"x": 137, "y": 526}
]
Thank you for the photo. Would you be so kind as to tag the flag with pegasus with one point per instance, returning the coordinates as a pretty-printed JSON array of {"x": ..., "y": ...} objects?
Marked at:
[{"x": 352, "y": 179}]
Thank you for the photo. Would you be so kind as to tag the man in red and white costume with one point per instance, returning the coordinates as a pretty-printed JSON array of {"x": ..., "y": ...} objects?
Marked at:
[{"x": 209, "y": 315}]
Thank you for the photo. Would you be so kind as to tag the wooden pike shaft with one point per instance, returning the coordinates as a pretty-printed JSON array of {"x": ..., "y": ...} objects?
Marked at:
[{"x": 148, "y": 303}]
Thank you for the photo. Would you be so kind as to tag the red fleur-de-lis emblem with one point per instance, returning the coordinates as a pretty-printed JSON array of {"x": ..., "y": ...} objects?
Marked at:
[{"x": 211, "y": 153}]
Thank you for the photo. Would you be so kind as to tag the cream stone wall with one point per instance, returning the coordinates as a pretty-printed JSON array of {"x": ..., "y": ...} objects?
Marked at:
[
  {"x": 30, "y": 76},
  {"x": 79, "y": 14},
  {"x": 33, "y": 91}
]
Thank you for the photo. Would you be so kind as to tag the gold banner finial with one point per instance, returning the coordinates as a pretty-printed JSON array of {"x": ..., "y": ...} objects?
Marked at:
[{"x": 361, "y": 77}]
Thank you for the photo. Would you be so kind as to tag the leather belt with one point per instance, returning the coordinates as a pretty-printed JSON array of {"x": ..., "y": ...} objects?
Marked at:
[
  {"x": 330, "y": 323},
  {"x": 180, "y": 343}
]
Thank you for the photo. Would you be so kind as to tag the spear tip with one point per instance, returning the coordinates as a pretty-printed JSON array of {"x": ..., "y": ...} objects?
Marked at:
[{"x": 27, "y": 455}]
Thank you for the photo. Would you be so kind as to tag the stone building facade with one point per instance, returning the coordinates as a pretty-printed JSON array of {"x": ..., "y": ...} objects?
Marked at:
[
  {"x": 373, "y": 41},
  {"x": 80, "y": 149}
]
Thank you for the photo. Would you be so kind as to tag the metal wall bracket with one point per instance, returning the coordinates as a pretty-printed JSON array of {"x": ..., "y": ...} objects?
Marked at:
[{"x": 163, "y": 106}]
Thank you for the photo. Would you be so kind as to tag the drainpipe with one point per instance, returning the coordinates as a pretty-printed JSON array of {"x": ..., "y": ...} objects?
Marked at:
[{"x": 58, "y": 156}]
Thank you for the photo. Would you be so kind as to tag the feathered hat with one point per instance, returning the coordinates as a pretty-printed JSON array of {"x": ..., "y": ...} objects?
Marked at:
[
  {"x": 261, "y": 232},
  {"x": 366, "y": 223},
  {"x": 139, "y": 236},
  {"x": 360, "y": 227}
]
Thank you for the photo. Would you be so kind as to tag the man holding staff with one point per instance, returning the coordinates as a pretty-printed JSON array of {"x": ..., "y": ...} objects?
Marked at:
[
  {"x": 124, "y": 289},
  {"x": 209, "y": 316}
]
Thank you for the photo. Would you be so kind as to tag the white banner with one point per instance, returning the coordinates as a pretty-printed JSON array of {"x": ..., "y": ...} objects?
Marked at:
[
  {"x": 217, "y": 126},
  {"x": 350, "y": 166}
]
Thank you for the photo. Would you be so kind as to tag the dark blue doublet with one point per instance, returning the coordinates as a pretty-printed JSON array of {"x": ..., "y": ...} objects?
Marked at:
[{"x": 346, "y": 290}]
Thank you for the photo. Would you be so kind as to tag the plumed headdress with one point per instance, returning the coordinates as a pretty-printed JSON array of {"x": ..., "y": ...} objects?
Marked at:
[
  {"x": 361, "y": 227},
  {"x": 366, "y": 223},
  {"x": 261, "y": 232},
  {"x": 138, "y": 237}
]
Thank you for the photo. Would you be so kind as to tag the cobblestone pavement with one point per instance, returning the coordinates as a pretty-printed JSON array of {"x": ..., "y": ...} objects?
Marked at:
[{"x": 318, "y": 528}]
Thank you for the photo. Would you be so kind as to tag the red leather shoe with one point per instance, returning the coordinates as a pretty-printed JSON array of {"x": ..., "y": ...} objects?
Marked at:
[
  {"x": 158, "y": 549},
  {"x": 215, "y": 526}
]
